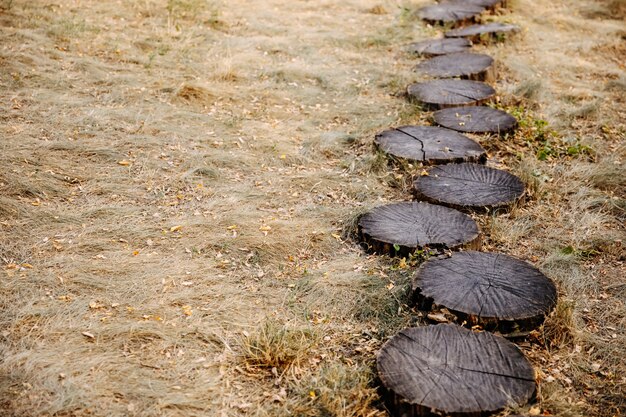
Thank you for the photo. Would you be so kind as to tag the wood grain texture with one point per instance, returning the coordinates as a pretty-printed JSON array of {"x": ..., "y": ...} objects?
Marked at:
[
  {"x": 430, "y": 145},
  {"x": 495, "y": 290},
  {"x": 434, "y": 47},
  {"x": 400, "y": 228},
  {"x": 464, "y": 65},
  {"x": 468, "y": 185},
  {"x": 453, "y": 11},
  {"x": 441, "y": 94},
  {"x": 452, "y": 370},
  {"x": 477, "y": 30},
  {"x": 479, "y": 119}
]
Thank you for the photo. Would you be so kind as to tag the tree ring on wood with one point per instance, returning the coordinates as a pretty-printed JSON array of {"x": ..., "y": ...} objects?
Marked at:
[
  {"x": 430, "y": 145},
  {"x": 474, "y": 32},
  {"x": 496, "y": 291},
  {"x": 457, "y": 12},
  {"x": 400, "y": 228},
  {"x": 447, "y": 369},
  {"x": 466, "y": 65},
  {"x": 434, "y": 47},
  {"x": 479, "y": 119},
  {"x": 468, "y": 185},
  {"x": 441, "y": 94}
]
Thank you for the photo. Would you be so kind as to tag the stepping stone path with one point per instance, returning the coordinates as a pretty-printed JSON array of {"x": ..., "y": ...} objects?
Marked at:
[
  {"x": 479, "y": 119},
  {"x": 493, "y": 290},
  {"x": 441, "y": 94},
  {"x": 449, "y": 369},
  {"x": 400, "y": 228},
  {"x": 475, "y": 31},
  {"x": 450, "y": 12},
  {"x": 440, "y": 46},
  {"x": 465, "y": 65},
  {"x": 468, "y": 185},
  {"x": 430, "y": 145},
  {"x": 452, "y": 370}
]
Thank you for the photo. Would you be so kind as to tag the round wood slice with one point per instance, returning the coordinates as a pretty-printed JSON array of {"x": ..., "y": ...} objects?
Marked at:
[
  {"x": 488, "y": 4},
  {"x": 466, "y": 65},
  {"x": 479, "y": 119},
  {"x": 478, "y": 30},
  {"x": 453, "y": 11},
  {"x": 400, "y": 228},
  {"x": 447, "y": 369},
  {"x": 441, "y": 94},
  {"x": 468, "y": 185},
  {"x": 430, "y": 145},
  {"x": 492, "y": 289},
  {"x": 434, "y": 47}
]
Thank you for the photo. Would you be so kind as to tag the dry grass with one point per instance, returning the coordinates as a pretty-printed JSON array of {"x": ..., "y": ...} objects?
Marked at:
[{"x": 182, "y": 179}]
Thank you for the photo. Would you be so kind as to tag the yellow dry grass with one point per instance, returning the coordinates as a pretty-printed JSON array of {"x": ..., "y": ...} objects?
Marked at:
[{"x": 180, "y": 182}]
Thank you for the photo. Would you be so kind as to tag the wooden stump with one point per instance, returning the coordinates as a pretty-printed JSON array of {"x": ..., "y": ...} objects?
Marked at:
[
  {"x": 494, "y": 290},
  {"x": 488, "y": 4},
  {"x": 447, "y": 369},
  {"x": 441, "y": 94},
  {"x": 435, "y": 47},
  {"x": 480, "y": 119},
  {"x": 475, "y": 32},
  {"x": 430, "y": 145},
  {"x": 478, "y": 67},
  {"x": 400, "y": 228},
  {"x": 450, "y": 12},
  {"x": 468, "y": 185}
]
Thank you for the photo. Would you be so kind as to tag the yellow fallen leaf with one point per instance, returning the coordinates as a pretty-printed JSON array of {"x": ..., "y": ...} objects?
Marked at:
[
  {"x": 175, "y": 228},
  {"x": 312, "y": 394},
  {"x": 265, "y": 228},
  {"x": 29, "y": 266},
  {"x": 283, "y": 156},
  {"x": 187, "y": 311},
  {"x": 232, "y": 227},
  {"x": 135, "y": 253},
  {"x": 123, "y": 162},
  {"x": 424, "y": 173}
]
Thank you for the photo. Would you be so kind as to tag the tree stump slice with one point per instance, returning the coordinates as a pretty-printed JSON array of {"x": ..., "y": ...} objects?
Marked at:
[
  {"x": 430, "y": 145},
  {"x": 474, "y": 32},
  {"x": 466, "y": 65},
  {"x": 488, "y": 4},
  {"x": 441, "y": 94},
  {"x": 450, "y": 12},
  {"x": 468, "y": 186},
  {"x": 479, "y": 119},
  {"x": 494, "y": 290},
  {"x": 400, "y": 228},
  {"x": 447, "y": 369},
  {"x": 434, "y": 47}
]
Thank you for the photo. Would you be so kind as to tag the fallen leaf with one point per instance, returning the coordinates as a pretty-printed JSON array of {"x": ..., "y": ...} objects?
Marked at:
[
  {"x": 124, "y": 162},
  {"x": 175, "y": 228}
]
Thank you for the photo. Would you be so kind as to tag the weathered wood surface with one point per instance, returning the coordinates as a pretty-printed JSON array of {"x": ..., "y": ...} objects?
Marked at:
[
  {"x": 479, "y": 119},
  {"x": 441, "y": 94},
  {"x": 478, "y": 30},
  {"x": 453, "y": 11},
  {"x": 494, "y": 290},
  {"x": 489, "y": 4},
  {"x": 468, "y": 185},
  {"x": 400, "y": 228},
  {"x": 430, "y": 145},
  {"x": 434, "y": 47},
  {"x": 452, "y": 370},
  {"x": 478, "y": 67}
]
